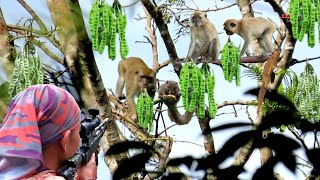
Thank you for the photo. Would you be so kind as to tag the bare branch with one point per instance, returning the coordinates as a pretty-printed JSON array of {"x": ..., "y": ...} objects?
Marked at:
[
  {"x": 46, "y": 50},
  {"x": 236, "y": 102},
  {"x": 175, "y": 16},
  {"x": 295, "y": 61},
  {"x": 40, "y": 45},
  {"x": 33, "y": 14},
  {"x": 40, "y": 33},
  {"x": 164, "y": 32},
  {"x": 207, "y": 10},
  {"x": 153, "y": 39},
  {"x": 164, "y": 64}
]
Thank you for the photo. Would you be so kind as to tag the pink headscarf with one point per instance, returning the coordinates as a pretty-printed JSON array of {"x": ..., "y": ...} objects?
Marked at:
[{"x": 36, "y": 117}]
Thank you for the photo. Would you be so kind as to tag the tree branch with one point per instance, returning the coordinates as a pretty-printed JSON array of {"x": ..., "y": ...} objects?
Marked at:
[
  {"x": 40, "y": 45},
  {"x": 164, "y": 32},
  {"x": 153, "y": 40},
  {"x": 40, "y": 33},
  {"x": 33, "y": 14}
]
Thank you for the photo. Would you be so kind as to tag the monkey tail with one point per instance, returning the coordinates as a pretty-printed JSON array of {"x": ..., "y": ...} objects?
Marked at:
[{"x": 261, "y": 95}]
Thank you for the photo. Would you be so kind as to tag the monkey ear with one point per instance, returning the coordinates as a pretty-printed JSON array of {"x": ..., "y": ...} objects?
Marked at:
[{"x": 233, "y": 25}]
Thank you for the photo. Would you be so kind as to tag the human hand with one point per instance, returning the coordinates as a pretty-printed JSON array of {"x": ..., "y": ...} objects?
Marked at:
[{"x": 89, "y": 170}]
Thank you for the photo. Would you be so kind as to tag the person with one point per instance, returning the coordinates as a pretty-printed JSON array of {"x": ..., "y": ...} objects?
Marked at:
[{"x": 40, "y": 131}]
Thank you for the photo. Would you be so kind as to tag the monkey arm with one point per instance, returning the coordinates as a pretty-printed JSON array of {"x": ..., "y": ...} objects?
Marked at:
[
  {"x": 119, "y": 88},
  {"x": 192, "y": 47},
  {"x": 203, "y": 49},
  {"x": 244, "y": 47},
  {"x": 132, "y": 106},
  {"x": 171, "y": 102},
  {"x": 176, "y": 117},
  {"x": 169, "y": 93}
]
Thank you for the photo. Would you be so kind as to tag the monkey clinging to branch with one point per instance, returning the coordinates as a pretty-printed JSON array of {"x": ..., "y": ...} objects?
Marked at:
[
  {"x": 253, "y": 27},
  {"x": 135, "y": 75},
  {"x": 169, "y": 92},
  {"x": 204, "y": 38}
]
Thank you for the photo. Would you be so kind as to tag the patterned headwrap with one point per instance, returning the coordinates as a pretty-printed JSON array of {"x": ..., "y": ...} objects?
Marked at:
[{"x": 36, "y": 117}]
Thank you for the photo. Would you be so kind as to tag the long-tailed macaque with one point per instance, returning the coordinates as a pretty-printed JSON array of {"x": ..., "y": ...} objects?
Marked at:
[
  {"x": 170, "y": 94},
  {"x": 252, "y": 27},
  {"x": 135, "y": 75},
  {"x": 204, "y": 38}
]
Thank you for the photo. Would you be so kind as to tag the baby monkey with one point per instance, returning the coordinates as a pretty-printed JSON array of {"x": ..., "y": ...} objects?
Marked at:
[
  {"x": 252, "y": 27},
  {"x": 204, "y": 38},
  {"x": 170, "y": 93}
]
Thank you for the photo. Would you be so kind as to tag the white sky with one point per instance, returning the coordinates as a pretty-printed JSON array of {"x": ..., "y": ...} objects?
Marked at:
[{"x": 223, "y": 91}]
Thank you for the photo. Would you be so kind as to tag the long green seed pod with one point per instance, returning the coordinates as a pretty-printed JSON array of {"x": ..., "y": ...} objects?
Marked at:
[
  {"x": 113, "y": 32},
  {"x": 195, "y": 89},
  {"x": 201, "y": 102},
  {"x": 312, "y": 20}
]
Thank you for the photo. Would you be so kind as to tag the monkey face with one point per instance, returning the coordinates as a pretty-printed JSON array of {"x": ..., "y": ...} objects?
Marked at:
[
  {"x": 146, "y": 81},
  {"x": 230, "y": 27},
  {"x": 197, "y": 18}
]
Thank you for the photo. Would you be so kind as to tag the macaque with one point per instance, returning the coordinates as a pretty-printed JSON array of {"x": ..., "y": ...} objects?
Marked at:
[
  {"x": 253, "y": 27},
  {"x": 204, "y": 38},
  {"x": 169, "y": 93},
  {"x": 136, "y": 76}
]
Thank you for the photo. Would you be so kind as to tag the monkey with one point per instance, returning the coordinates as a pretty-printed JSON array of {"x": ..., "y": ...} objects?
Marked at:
[
  {"x": 252, "y": 27},
  {"x": 268, "y": 76},
  {"x": 169, "y": 93},
  {"x": 204, "y": 38},
  {"x": 135, "y": 75}
]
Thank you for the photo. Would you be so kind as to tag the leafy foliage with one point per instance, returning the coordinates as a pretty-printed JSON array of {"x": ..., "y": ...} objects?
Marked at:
[
  {"x": 282, "y": 146},
  {"x": 27, "y": 70},
  {"x": 307, "y": 96}
]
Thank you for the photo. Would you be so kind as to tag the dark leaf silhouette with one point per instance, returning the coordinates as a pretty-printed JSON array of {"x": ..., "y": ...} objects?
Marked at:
[
  {"x": 125, "y": 146},
  {"x": 273, "y": 96},
  {"x": 210, "y": 162},
  {"x": 278, "y": 118},
  {"x": 230, "y": 173},
  {"x": 266, "y": 171},
  {"x": 129, "y": 166},
  {"x": 226, "y": 126},
  {"x": 234, "y": 143},
  {"x": 306, "y": 126},
  {"x": 289, "y": 160},
  {"x": 313, "y": 156},
  {"x": 188, "y": 160},
  {"x": 281, "y": 144}
]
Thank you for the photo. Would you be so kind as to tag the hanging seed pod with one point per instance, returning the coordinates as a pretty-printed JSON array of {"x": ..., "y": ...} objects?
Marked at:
[
  {"x": 113, "y": 32},
  {"x": 195, "y": 88},
  {"x": 202, "y": 92}
]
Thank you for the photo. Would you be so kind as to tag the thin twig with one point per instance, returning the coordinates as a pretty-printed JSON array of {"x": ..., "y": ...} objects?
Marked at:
[
  {"x": 33, "y": 14},
  {"x": 47, "y": 34}
]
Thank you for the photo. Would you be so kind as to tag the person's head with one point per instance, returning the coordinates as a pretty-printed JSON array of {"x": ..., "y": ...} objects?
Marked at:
[{"x": 37, "y": 118}]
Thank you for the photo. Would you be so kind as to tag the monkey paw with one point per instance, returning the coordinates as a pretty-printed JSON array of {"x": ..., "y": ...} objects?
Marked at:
[{"x": 169, "y": 98}]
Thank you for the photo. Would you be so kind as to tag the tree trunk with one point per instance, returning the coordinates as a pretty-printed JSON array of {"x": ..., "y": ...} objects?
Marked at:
[{"x": 6, "y": 65}]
